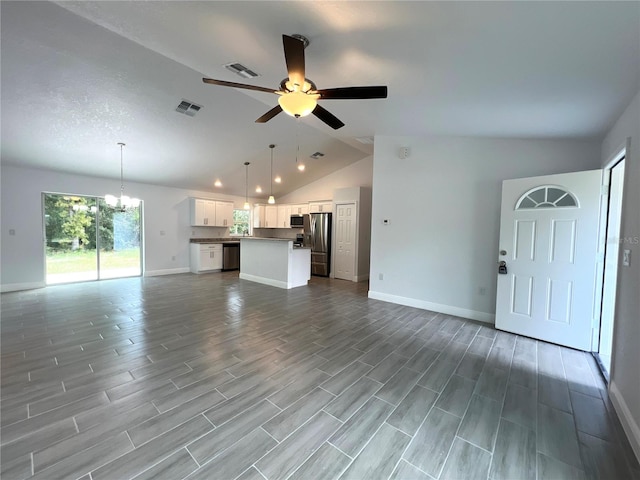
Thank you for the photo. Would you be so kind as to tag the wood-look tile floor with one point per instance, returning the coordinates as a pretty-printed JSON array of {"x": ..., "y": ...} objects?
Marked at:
[{"x": 212, "y": 377}]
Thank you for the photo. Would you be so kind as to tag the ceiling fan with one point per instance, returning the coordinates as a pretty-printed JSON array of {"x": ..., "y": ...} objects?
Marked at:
[{"x": 298, "y": 94}]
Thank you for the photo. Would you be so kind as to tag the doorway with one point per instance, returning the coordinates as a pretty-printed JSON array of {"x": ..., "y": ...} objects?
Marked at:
[
  {"x": 611, "y": 262},
  {"x": 345, "y": 259},
  {"x": 85, "y": 239}
]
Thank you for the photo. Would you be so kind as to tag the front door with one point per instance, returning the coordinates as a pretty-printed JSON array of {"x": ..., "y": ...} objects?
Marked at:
[{"x": 548, "y": 243}]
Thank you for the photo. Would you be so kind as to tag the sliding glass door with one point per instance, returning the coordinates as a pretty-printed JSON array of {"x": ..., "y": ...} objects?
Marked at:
[{"x": 88, "y": 240}]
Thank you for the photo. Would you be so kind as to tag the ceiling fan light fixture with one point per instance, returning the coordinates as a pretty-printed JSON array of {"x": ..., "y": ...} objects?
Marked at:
[{"x": 298, "y": 104}]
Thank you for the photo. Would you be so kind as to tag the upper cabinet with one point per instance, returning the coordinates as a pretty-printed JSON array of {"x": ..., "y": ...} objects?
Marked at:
[
  {"x": 224, "y": 214},
  {"x": 284, "y": 216},
  {"x": 321, "y": 207},
  {"x": 271, "y": 216},
  {"x": 300, "y": 209},
  {"x": 211, "y": 213}
]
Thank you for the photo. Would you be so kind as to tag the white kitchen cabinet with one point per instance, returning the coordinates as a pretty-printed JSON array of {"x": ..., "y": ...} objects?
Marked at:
[
  {"x": 271, "y": 216},
  {"x": 259, "y": 216},
  {"x": 211, "y": 213},
  {"x": 224, "y": 214},
  {"x": 203, "y": 212},
  {"x": 205, "y": 257},
  {"x": 300, "y": 209},
  {"x": 284, "y": 216},
  {"x": 321, "y": 207}
]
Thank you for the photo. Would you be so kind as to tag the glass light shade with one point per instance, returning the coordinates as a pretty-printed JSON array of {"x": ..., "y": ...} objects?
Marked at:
[
  {"x": 247, "y": 206},
  {"x": 258, "y": 189},
  {"x": 301, "y": 167},
  {"x": 217, "y": 183},
  {"x": 298, "y": 104},
  {"x": 271, "y": 200},
  {"x": 111, "y": 200},
  {"x": 277, "y": 180}
]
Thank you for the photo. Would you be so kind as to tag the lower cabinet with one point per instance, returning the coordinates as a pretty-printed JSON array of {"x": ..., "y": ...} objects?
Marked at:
[{"x": 205, "y": 257}]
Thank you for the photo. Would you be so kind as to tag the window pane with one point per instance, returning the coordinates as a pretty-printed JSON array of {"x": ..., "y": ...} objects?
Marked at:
[{"x": 241, "y": 219}]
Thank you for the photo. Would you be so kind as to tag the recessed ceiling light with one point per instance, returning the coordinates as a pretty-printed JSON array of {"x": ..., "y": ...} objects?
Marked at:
[
  {"x": 258, "y": 189},
  {"x": 217, "y": 183},
  {"x": 277, "y": 179}
]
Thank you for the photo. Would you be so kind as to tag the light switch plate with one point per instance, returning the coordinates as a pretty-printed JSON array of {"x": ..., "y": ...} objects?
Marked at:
[{"x": 626, "y": 258}]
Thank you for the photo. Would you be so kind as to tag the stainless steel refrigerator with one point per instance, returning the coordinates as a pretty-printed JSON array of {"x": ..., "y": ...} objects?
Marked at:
[{"x": 320, "y": 242}]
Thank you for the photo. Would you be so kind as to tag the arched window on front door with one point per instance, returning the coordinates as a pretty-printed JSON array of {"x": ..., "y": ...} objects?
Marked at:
[{"x": 548, "y": 196}]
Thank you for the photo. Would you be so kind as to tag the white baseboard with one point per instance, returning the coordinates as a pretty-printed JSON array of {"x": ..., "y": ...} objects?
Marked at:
[
  {"x": 434, "y": 307},
  {"x": 629, "y": 423},
  {"x": 361, "y": 278},
  {"x": 265, "y": 281},
  {"x": 16, "y": 287},
  {"x": 168, "y": 271}
]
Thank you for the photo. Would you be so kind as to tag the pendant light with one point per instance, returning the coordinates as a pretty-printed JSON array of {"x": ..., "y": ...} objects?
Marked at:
[
  {"x": 246, "y": 186},
  {"x": 123, "y": 202},
  {"x": 271, "y": 200}
]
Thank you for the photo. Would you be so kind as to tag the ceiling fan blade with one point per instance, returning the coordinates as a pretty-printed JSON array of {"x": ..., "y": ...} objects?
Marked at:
[
  {"x": 353, "y": 93},
  {"x": 294, "y": 57},
  {"x": 270, "y": 114},
  {"x": 222, "y": 83},
  {"x": 327, "y": 117}
]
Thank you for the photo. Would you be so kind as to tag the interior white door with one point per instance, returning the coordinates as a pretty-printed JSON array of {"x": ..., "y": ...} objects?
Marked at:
[
  {"x": 345, "y": 241},
  {"x": 549, "y": 239}
]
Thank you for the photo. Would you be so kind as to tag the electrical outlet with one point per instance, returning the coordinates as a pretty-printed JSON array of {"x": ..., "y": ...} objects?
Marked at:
[
  {"x": 626, "y": 258},
  {"x": 381, "y": 276},
  {"x": 482, "y": 291}
]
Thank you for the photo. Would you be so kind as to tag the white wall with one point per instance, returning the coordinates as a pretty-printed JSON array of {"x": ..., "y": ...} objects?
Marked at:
[
  {"x": 443, "y": 204},
  {"x": 358, "y": 174},
  {"x": 625, "y": 372},
  {"x": 166, "y": 221}
]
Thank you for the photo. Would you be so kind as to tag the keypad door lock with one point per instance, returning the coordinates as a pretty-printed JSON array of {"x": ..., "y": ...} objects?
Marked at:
[{"x": 502, "y": 267}]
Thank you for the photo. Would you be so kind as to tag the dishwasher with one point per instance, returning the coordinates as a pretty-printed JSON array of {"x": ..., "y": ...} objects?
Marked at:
[{"x": 231, "y": 256}]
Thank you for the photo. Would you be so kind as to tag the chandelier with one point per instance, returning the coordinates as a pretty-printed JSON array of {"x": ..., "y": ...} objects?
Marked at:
[{"x": 123, "y": 201}]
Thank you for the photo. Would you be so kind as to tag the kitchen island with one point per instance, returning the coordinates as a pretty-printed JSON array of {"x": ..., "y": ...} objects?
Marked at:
[{"x": 275, "y": 262}]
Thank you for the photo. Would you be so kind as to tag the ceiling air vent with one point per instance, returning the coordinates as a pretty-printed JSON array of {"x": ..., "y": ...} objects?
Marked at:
[
  {"x": 188, "y": 108},
  {"x": 317, "y": 155},
  {"x": 241, "y": 70}
]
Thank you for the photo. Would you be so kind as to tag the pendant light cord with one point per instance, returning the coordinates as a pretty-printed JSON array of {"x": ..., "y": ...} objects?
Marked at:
[{"x": 121, "y": 171}]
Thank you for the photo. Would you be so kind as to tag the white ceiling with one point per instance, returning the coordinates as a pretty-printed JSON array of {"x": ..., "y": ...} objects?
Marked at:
[{"x": 81, "y": 76}]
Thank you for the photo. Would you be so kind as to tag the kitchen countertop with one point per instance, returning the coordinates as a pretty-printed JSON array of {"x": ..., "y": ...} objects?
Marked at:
[{"x": 216, "y": 240}]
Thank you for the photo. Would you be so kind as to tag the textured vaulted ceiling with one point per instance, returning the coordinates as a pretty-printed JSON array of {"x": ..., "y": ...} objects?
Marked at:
[{"x": 78, "y": 77}]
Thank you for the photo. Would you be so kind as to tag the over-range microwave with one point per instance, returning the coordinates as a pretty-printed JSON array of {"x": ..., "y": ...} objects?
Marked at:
[{"x": 297, "y": 221}]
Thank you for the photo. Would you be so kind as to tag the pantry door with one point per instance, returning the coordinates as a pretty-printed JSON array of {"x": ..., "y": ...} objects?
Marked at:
[
  {"x": 548, "y": 243},
  {"x": 345, "y": 260}
]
